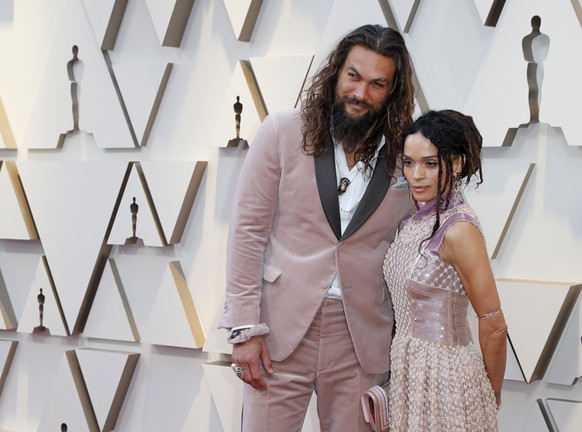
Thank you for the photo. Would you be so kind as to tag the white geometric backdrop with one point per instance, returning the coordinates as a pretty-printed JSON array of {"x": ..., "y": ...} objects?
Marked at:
[{"x": 132, "y": 295}]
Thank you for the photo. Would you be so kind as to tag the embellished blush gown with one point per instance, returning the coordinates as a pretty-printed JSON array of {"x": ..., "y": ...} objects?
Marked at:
[{"x": 438, "y": 380}]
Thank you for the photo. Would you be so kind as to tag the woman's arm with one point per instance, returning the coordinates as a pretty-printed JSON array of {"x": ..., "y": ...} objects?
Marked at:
[{"x": 463, "y": 246}]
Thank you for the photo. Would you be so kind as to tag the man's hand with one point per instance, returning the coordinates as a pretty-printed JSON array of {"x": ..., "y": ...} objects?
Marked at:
[{"x": 246, "y": 355}]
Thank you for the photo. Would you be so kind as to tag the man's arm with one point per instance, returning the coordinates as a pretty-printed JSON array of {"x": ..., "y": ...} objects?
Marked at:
[{"x": 254, "y": 208}]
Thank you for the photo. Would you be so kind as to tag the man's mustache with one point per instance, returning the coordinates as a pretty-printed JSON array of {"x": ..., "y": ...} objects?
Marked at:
[{"x": 346, "y": 99}]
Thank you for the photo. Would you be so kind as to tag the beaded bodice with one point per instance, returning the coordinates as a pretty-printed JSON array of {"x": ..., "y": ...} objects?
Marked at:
[{"x": 429, "y": 299}]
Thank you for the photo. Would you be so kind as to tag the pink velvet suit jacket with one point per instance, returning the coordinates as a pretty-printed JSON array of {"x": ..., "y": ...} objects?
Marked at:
[{"x": 285, "y": 245}]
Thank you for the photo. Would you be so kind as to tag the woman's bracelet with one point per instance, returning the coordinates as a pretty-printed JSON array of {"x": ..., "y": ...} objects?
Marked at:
[{"x": 489, "y": 315}]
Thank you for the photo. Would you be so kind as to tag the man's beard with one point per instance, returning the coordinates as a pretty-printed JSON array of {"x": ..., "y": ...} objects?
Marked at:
[{"x": 350, "y": 130}]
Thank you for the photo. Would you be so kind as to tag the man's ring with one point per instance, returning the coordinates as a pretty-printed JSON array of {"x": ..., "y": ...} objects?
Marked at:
[{"x": 237, "y": 370}]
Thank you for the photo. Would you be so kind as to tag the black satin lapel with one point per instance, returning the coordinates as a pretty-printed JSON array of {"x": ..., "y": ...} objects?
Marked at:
[
  {"x": 375, "y": 193},
  {"x": 327, "y": 185}
]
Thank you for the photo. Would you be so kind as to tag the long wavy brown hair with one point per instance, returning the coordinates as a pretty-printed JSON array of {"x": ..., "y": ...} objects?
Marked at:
[{"x": 318, "y": 99}]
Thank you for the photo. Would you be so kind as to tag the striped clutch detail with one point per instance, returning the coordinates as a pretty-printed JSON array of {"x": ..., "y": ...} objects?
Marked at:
[{"x": 375, "y": 407}]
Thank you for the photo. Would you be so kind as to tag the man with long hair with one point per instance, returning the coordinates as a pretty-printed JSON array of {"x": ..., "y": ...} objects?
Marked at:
[{"x": 319, "y": 199}]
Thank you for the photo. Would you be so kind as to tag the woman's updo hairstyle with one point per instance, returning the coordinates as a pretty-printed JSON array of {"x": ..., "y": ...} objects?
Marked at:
[{"x": 454, "y": 135}]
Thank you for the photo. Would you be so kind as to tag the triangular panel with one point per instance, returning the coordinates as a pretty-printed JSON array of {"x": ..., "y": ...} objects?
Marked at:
[
  {"x": 270, "y": 72},
  {"x": 536, "y": 421},
  {"x": 512, "y": 368},
  {"x": 243, "y": 87},
  {"x": 15, "y": 218},
  {"x": 7, "y": 140},
  {"x": 566, "y": 413},
  {"x": 502, "y": 80},
  {"x": 68, "y": 401},
  {"x": 42, "y": 311},
  {"x": 105, "y": 18},
  {"x": 18, "y": 272},
  {"x": 496, "y": 200},
  {"x": 577, "y": 5},
  {"x": 174, "y": 319},
  {"x": 489, "y": 11},
  {"x": 566, "y": 365},
  {"x": 182, "y": 180},
  {"x": 140, "y": 275},
  {"x": 243, "y": 16},
  {"x": 170, "y": 19},
  {"x": 7, "y": 316},
  {"x": 160, "y": 12},
  {"x": 142, "y": 93},
  {"x": 548, "y": 308},
  {"x": 72, "y": 204},
  {"x": 77, "y": 74},
  {"x": 445, "y": 62},
  {"x": 226, "y": 390},
  {"x": 144, "y": 216},
  {"x": 7, "y": 350},
  {"x": 111, "y": 316},
  {"x": 26, "y": 44},
  {"x": 404, "y": 12},
  {"x": 107, "y": 375},
  {"x": 483, "y": 7}
]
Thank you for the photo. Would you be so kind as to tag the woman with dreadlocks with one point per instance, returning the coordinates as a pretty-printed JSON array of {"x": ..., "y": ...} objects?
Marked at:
[{"x": 436, "y": 267}]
